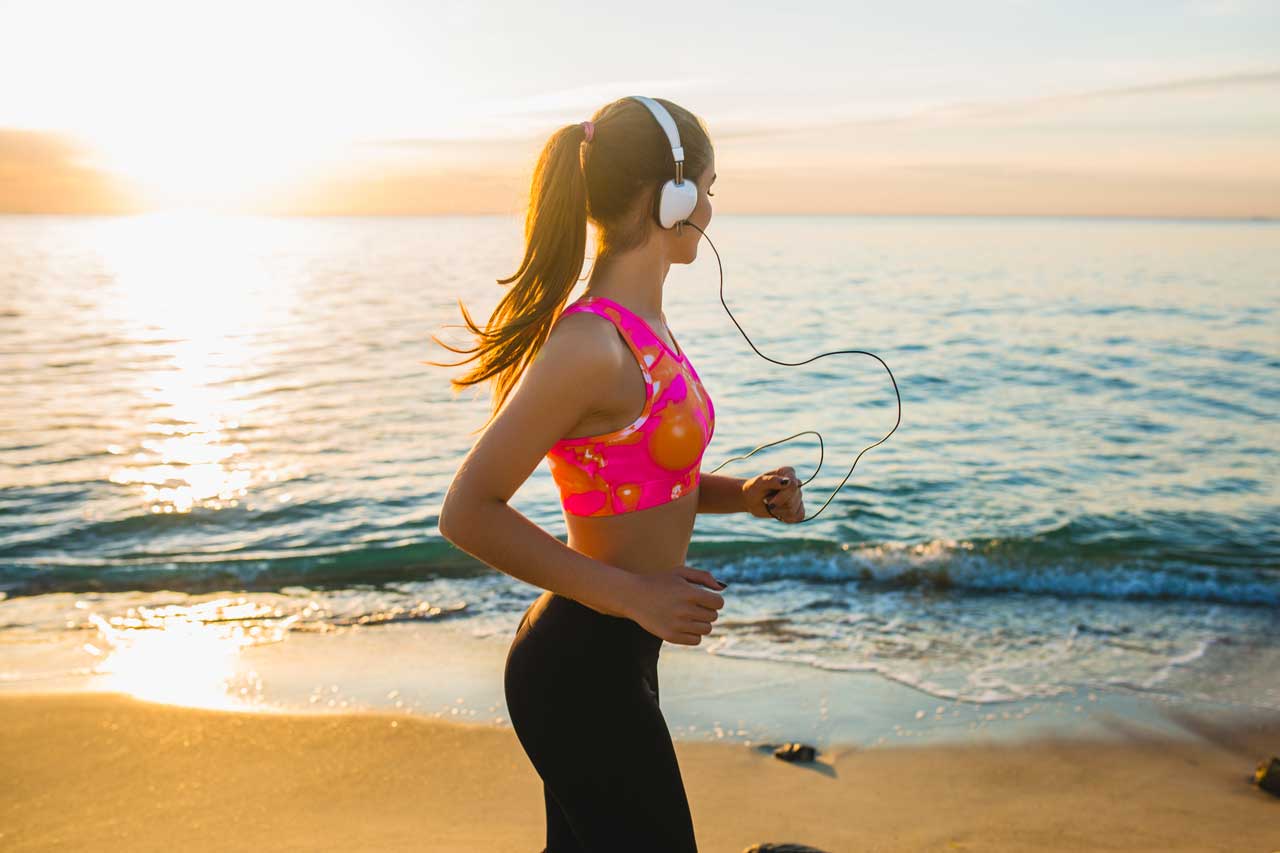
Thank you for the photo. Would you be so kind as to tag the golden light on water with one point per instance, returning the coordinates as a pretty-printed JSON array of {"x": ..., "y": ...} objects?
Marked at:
[
  {"x": 197, "y": 303},
  {"x": 205, "y": 477},
  {"x": 185, "y": 655},
  {"x": 191, "y": 275},
  {"x": 195, "y": 294}
]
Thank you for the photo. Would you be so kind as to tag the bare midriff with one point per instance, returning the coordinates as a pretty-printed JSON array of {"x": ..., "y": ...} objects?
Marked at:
[{"x": 649, "y": 541}]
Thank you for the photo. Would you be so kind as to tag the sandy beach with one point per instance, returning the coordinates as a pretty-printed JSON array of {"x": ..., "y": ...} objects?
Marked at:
[
  {"x": 89, "y": 771},
  {"x": 943, "y": 338}
]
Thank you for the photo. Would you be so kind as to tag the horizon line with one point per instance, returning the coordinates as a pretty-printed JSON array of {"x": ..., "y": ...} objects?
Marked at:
[{"x": 521, "y": 214}]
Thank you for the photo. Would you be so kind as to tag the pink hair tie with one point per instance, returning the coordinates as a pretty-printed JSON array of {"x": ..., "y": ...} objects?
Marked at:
[{"x": 590, "y": 128}]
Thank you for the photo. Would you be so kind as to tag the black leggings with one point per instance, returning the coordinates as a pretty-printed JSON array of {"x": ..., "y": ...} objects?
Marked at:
[{"x": 582, "y": 692}]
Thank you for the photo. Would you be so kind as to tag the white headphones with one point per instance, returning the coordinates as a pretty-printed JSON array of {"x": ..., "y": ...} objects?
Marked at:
[{"x": 678, "y": 197}]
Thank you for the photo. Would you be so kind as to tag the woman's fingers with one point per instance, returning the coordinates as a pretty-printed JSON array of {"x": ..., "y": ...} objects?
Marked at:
[
  {"x": 702, "y": 597},
  {"x": 783, "y": 495},
  {"x": 772, "y": 487},
  {"x": 787, "y": 504},
  {"x": 702, "y": 629},
  {"x": 691, "y": 630},
  {"x": 703, "y": 614},
  {"x": 783, "y": 477}
]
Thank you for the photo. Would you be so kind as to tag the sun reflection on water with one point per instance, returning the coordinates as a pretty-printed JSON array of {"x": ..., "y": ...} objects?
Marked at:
[
  {"x": 195, "y": 293},
  {"x": 187, "y": 655}
]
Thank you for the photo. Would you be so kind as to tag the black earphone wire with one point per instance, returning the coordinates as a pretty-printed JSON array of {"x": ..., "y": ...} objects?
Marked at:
[{"x": 796, "y": 364}]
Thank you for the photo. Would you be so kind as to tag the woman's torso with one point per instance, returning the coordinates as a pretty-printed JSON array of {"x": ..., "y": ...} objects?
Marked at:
[{"x": 648, "y": 541}]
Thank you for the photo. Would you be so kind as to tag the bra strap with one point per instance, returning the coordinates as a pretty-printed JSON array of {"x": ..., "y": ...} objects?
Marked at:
[{"x": 598, "y": 308}]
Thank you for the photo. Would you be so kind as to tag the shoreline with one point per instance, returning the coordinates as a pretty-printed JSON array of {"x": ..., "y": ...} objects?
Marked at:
[
  {"x": 92, "y": 769},
  {"x": 453, "y": 671}
]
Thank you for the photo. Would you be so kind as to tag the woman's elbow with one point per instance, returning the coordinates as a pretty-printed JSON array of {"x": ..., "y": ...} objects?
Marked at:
[
  {"x": 457, "y": 516},
  {"x": 452, "y": 511},
  {"x": 450, "y": 521}
]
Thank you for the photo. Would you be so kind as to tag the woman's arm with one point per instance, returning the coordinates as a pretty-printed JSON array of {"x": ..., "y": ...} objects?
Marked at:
[
  {"x": 553, "y": 394},
  {"x": 717, "y": 493},
  {"x": 491, "y": 531},
  {"x": 774, "y": 494}
]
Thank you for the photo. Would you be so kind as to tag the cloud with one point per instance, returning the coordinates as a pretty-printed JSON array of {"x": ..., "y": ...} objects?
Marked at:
[
  {"x": 43, "y": 172},
  {"x": 1221, "y": 8},
  {"x": 1212, "y": 83},
  {"x": 965, "y": 110},
  {"x": 586, "y": 99},
  {"x": 499, "y": 122}
]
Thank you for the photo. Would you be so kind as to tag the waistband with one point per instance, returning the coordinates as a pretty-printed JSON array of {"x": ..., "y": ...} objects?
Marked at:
[{"x": 577, "y": 616}]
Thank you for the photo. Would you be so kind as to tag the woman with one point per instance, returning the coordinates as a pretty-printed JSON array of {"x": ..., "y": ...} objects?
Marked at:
[{"x": 610, "y": 399}]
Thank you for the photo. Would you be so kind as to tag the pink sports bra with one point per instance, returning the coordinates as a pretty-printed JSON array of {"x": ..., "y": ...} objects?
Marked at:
[{"x": 656, "y": 458}]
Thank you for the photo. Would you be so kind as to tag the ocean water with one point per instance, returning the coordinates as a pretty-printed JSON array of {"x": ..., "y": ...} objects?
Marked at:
[{"x": 222, "y": 427}]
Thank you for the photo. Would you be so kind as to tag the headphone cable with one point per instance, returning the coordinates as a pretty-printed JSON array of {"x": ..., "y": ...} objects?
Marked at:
[{"x": 796, "y": 364}]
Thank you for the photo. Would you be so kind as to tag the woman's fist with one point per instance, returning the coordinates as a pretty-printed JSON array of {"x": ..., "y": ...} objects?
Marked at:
[
  {"x": 676, "y": 605},
  {"x": 775, "y": 494}
]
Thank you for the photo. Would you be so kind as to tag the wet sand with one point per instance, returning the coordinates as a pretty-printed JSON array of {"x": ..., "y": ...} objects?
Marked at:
[{"x": 86, "y": 771}]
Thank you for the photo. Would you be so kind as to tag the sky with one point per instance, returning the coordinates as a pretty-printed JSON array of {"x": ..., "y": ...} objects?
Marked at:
[{"x": 1002, "y": 107}]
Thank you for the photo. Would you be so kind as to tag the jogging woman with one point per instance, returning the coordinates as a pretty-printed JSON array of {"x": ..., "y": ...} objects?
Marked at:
[{"x": 604, "y": 392}]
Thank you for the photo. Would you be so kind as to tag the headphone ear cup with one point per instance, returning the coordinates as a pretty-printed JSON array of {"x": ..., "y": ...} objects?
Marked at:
[{"x": 676, "y": 202}]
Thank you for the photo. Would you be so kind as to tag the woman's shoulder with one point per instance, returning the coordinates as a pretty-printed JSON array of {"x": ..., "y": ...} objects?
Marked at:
[{"x": 585, "y": 335}]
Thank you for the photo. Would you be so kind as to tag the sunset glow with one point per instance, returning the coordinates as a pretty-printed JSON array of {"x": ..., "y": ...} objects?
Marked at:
[{"x": 406, "y": 108}]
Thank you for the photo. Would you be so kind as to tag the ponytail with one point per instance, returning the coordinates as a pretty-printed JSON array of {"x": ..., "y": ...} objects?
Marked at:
[{"x": 555, "y": 249}]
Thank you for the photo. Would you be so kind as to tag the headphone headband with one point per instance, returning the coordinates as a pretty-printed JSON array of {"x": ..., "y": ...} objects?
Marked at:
[
  {"x": 677, "y": 198},
  {"x": 669, "y": 127}
]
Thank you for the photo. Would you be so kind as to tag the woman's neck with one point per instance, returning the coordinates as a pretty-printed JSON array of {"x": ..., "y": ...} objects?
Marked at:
[{"x": 635, "y": 280}]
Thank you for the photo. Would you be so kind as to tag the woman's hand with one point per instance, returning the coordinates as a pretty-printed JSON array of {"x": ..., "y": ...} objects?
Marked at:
[
  {"x": 674, "y": 605},
  {"x": 775, "y": 494}
]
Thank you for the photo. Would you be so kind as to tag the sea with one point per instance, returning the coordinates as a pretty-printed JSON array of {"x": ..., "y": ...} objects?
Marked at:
[{"x": 1046, "y": 465}]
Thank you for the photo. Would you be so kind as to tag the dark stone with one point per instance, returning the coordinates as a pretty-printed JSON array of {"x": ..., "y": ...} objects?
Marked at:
[
  {"x": 781, "y": 848},
  {"x": 795, "y": 752},
  {"x": 1268, "y": 776}
]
